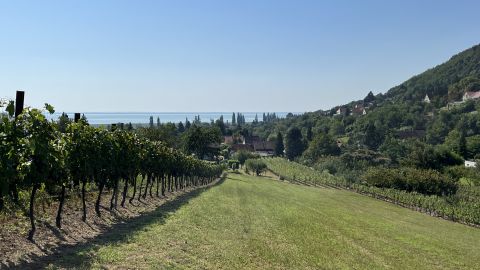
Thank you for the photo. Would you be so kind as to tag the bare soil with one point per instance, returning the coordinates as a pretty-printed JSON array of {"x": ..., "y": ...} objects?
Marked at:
[{"x": 16, "y": 250}]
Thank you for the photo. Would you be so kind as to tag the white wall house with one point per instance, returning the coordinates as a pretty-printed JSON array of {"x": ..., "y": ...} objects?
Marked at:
[{"x": 470, "y": 164}]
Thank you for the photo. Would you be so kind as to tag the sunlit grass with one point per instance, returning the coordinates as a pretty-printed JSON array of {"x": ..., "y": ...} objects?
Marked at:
[{"x": 257, "y": 223}]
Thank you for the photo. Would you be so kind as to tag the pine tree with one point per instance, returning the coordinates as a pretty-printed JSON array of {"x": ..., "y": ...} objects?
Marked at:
[
  {"x": 279, "y": 147},
  {"x": 158, "y": 121},
  {"x": 234, "y": 122},
  {"x": 151, "y": 121}
]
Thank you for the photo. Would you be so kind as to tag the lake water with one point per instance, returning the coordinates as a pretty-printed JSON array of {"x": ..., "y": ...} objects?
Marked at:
[{"x": 98, "y": 118}]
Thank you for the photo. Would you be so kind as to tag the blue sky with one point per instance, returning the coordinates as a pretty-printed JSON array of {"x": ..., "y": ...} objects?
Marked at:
[{"x": 206, "y": 55}]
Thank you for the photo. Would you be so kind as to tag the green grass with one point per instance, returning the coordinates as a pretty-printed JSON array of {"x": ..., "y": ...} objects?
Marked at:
[{"x": 257, "y": 223}]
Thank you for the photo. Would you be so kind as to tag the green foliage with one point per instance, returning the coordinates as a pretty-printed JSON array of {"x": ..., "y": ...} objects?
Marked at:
[
  {"x": 44, "y": 157},
  {"x": 428, "y": 157},
  {"x": 279, "y": 147},
  {"x": 243, "y": 155},
  {"x": 233, "y": 164},
  {"x": 202, "y": 141},
  {"x": 257, "y": 166},
  {"x": 294, "y": 145},
  {"x": 428, "y": 182},
  {"x": 322, "y": 145}
]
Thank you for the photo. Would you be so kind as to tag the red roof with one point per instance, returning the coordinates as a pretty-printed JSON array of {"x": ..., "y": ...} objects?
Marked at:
[{"x": 473, "y": 95}]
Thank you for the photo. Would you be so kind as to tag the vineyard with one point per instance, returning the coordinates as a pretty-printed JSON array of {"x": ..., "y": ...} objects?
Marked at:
[
  {"x": 463, "y": 206},
  {"x": 53, "y": 158}
]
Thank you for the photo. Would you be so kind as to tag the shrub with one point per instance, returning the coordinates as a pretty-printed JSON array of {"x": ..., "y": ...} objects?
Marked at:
[
  {"x": 428, "y": 182},
  {"x": 256, "y": 165}
]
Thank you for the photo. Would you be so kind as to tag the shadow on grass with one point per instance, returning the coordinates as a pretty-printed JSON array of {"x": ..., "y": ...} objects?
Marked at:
[{"x": 82, "y": 255}]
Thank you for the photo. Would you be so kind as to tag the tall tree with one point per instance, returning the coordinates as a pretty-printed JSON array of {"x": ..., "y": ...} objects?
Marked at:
[
  {"x": 151, "y": 122},
  {"x": 234, "y": 121},
  {"x": 294, "y": 145},
  {"x": 279, "y": 147}
]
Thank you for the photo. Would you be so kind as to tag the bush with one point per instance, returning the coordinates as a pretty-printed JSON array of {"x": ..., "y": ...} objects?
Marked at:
[
  {"x": 233, "y": 164},
  {"x": 256, "y": 165},
  {"x": 429, "y": 182}
]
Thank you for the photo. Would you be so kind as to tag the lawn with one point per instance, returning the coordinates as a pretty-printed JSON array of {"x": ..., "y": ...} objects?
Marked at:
[{"x": 248, "y": 222}]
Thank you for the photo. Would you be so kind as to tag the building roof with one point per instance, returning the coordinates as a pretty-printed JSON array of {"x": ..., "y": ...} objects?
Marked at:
[
  {"x": 264, "y": 146},
  {"x": 472, "y": 95},
  {"x": 239, "y": 147}
]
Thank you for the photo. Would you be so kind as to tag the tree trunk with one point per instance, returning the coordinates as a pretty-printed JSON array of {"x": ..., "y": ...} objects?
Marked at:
[
  {"x": 113, "y": 203},
  {"x": 163, "y": 185},
  {"x": 146, "y": 187},
  {"x": 99, "y": 198},
  {"x": 60, "y": 207},
  {"x": 140, "y": 190},
  {"x": 158, "y": 183},
  {"x": 125, "y": 190},
  {"x": 134, "y": 190},
  {"x": 151, "y": 186},
  {"x": 84, "y": 217},
  {"x": 2, "y": 202},
  {"x": 14, "y": 192},
  {"x": 31, "y": 213}
]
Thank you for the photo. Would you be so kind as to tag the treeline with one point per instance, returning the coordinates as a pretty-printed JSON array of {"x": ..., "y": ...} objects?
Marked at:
[{"x": 37, "y": 154}]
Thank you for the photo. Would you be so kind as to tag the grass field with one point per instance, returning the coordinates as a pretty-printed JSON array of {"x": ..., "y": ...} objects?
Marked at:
[{"x": 257, "y": 223}]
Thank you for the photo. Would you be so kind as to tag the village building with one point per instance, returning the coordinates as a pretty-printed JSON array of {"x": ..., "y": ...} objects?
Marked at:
[
  {"x": 264, "y": 148},
  {"x": 426, "y": 99},
  {"x": 471, "y": 95},
  {"x": 343, "y": 111},
  {"x": 359, "y": 109}
]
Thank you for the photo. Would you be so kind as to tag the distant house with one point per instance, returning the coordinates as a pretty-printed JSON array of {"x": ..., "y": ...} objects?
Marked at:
[
  {"x": 426, "y": 99},
  {"x": 359, "y": 109},
  {"x": 252, "y": 139},
  {"x": 264, "y": 148},
  {"x": 228, "y": 139},
  {"x": 341, "y": 111},
  {"x": 471, "y": 95},
  {"x": 470, "y": 164},
  {"x": 242, "y": 147},
  {"x": 233, "y": 139}
]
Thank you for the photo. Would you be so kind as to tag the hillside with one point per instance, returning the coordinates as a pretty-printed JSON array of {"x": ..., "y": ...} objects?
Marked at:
[
  {"x": 437, "y": 81},
  {"x": 251, "y": 222}
]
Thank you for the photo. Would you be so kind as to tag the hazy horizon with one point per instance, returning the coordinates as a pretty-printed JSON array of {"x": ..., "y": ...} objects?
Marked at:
[{"x": 298, "y": 56}]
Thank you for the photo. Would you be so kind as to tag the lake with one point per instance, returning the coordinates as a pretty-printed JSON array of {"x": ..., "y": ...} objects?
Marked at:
[{"x": 98, "y": 118}]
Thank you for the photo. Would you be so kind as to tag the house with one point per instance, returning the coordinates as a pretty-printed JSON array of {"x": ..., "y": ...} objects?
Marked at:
[
  {"x": 252, "y": 139},
  {"x": 359, "y": 109},
  {"x": 426, "y": 99},
  {"x": 242, "y": 147},
  {"x": 233, "y": 139},
  {"x": 470, "y": 164},
  {"x": 471, "y": 95},
  {"x": 264, "y": 148},
  {"x": 341, "y": 111}
]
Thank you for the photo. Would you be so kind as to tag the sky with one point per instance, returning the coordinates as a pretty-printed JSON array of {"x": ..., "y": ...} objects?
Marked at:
[{"x": 206, "y": 56}]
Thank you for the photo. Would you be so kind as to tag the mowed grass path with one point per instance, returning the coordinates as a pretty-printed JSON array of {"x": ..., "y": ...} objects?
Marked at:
[{"x": 251, "y": 222}]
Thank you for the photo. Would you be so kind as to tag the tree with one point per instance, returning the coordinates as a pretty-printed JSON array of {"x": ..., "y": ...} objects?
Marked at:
[
  {"x": 243, "y": 155},
  {"x": 309, "y": 134},
  {"x": 294, "y": 145},
  {"x": 322, "y": 145},
  {"x": 369, "y": 98},
  {"x": 234, "y": 121},
  {"x": 279, "y": 147},
  {"x": 158, "y": 121},
  {"x": 181, "y": 127},
  {"x": 373, "y": 137},
  {"x": 151, "y": 122},
  {"x": 256, "y": 165}
]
